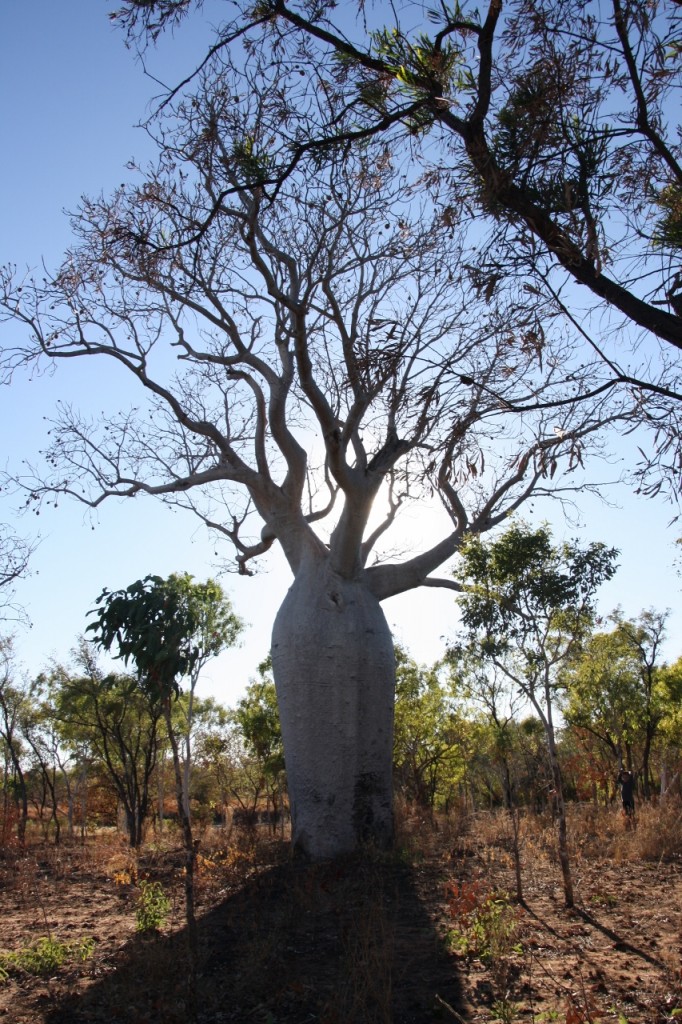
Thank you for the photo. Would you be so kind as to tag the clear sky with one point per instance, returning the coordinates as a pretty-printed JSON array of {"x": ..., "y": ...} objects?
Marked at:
[{"x": 71, "y": 94}]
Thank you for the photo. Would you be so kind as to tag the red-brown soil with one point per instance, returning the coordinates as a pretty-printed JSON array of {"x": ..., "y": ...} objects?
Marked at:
[{"x": 364, "y": 941}]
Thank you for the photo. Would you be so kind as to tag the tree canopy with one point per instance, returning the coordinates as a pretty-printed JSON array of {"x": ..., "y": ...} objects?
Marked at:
[
  {"x": 165, "y": 627},
  {"x": 554, "y": 124},
  {"x": 621, "y": 691},
  {"x": 301, "y": 352}
]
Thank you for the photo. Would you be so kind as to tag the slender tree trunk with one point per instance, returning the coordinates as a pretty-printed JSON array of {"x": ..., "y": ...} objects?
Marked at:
[
  {"x": 22, "y": 801},
  {"x": 628, "y": 758},
  {"x": 190, "y": 862},
  {"x": 513, "y": 813},
  {"x": 83, "y": 793},
  {"x": 161, "y": 787},
  {"x": 51, "y": 785},
  {"x": 131, "y": 828},
  {"x": 562, "y": 833},
  {"x": 187, "y": 769},
  {"x": 646, "y": 757},
  {"x": 5, "y": 802},
  {"x": 334, "y": 669},
  {"x": 69, "y": 811}
]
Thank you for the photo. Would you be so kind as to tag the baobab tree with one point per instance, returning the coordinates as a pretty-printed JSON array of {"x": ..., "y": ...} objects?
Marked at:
[{"x": 313, "y": 361}]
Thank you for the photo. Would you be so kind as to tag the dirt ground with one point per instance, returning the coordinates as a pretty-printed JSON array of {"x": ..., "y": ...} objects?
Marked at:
[{"x": 428, "y": 934}]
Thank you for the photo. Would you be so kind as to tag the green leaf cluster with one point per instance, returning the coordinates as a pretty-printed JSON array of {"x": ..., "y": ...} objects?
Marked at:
[
  {"x": 151, "y": 907},
  {"x": 44, "y": 956},
  {"x": 149, "y": 625},
  {"x": 668, "y": 230},
  {"x": 422, "y": 68},
  {"x": 418, "y": 65},
  {"x": 429, "y": 754},
  {"x": 257, "y": 715},
  {"x": 520, "y": 586},
  {"x": 165, "y": 627},
  {"x": 253, "y": 165}
]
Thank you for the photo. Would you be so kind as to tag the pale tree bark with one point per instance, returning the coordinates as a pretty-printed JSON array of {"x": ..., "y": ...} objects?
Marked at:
[{"x": 334, "y": 666}]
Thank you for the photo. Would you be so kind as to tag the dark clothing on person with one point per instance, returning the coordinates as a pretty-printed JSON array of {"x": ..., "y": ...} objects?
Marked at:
[{"x": 626, "y": 781}]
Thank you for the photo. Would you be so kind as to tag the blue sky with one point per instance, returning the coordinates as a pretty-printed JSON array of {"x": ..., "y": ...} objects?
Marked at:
[{"x": 71, "y": 94}]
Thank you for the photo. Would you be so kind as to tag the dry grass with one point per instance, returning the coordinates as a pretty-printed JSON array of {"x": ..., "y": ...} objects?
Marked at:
[
  {"x": 594, "y": 833},
  {"x": 363, "y": 941},
  {"x": 657, "y": 835}
]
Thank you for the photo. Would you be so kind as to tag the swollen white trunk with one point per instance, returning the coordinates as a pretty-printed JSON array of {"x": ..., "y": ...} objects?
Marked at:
[{"x": 334, "y": 669}]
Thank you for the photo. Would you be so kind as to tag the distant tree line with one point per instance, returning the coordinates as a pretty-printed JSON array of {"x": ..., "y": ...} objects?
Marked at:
[
  {"x": 81, "y": 748},
  {"x": 539, "y": 701}
]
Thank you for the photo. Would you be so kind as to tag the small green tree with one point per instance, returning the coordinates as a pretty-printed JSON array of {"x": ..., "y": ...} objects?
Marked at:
[
  {"x": 602, "y": 696},
  {"x": 107, "y": 721},
  {"x": 527, "y": 606},
  {"x": 670, "y": 682},
  {"x": 616, "y": 690},
  {"x": 42, "y": 735},
  {"x": 643, "y": 638},
  {"x": 217, "y": 628},
  {"x": 428, "y": 762},
  {"x": 257, "y": 717},
  {"x": 210, "y": 725},
  {"x": 217, "y": 754},
  {"x": 164, "y": 628}
]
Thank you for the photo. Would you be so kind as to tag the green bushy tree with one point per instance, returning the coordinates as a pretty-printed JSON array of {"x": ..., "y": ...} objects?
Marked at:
[{"x": 527, "y": 606}]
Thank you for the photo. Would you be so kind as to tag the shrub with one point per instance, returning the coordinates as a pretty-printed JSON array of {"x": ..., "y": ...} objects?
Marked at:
[
  {"x": 44, "y": 956},
  {"x": 151, "y": 907},
  {"x": 487, "y": 925}
]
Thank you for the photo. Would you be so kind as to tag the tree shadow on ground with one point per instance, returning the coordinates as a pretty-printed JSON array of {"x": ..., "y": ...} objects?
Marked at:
[
  {"x": 347, "y": 942},
  {"x": 619, "y": 943}
]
